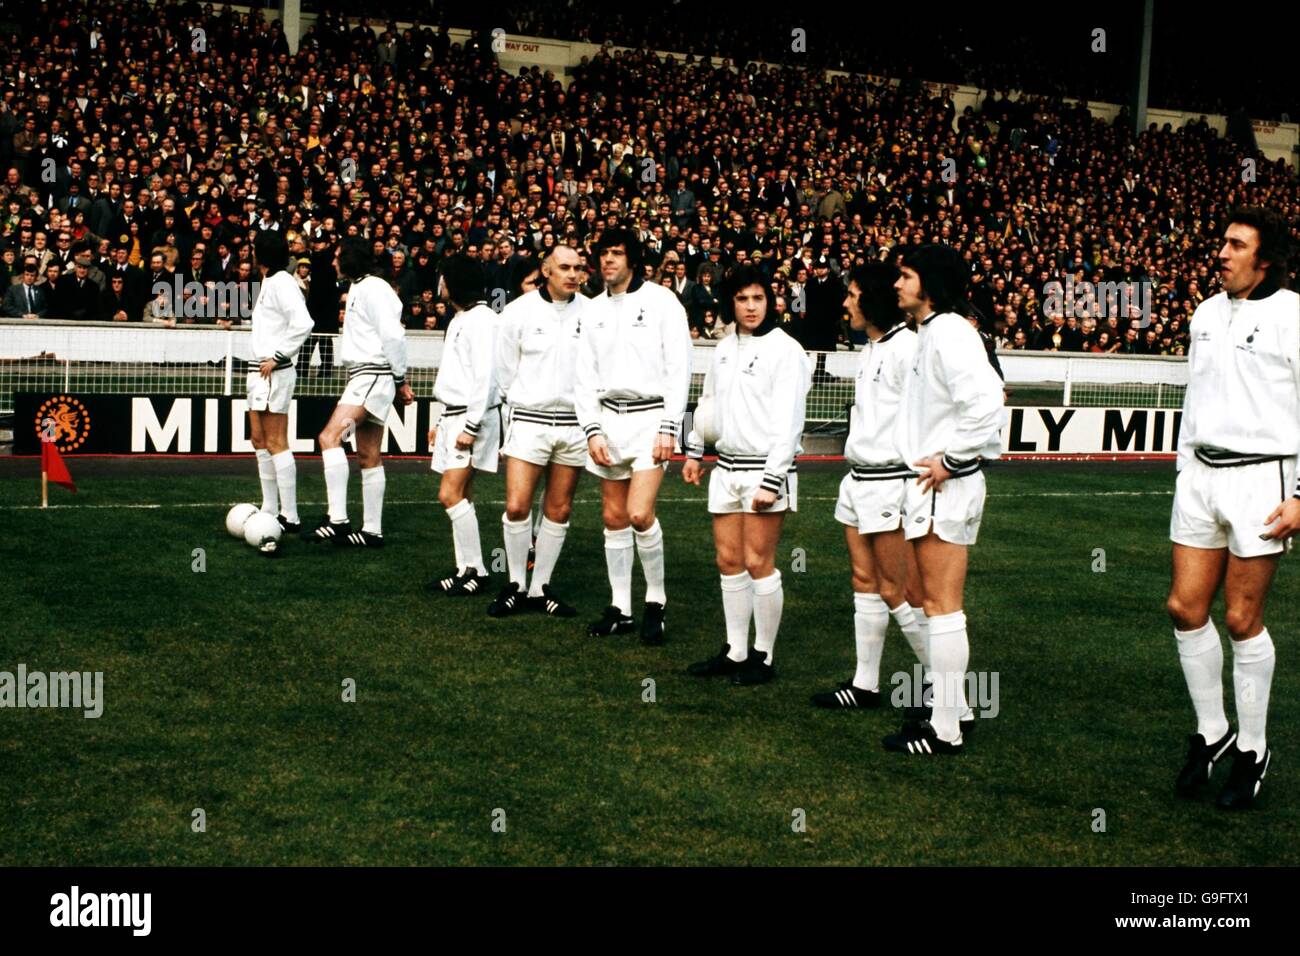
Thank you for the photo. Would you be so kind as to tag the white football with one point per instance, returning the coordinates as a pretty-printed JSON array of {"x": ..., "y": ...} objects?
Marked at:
[
  {"x": 262, "y": 531},
  {"x": 237, "y": 516},
  {"x": 705, "y": 422}
]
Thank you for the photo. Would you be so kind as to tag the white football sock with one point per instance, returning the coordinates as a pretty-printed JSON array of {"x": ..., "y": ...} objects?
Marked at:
[
  {"x": 914, "y": 624},
  {"x": 949, "y": 655},
  {"x": 650, "y": 547},
  {"x": 870, "y": 621},
  {"x": 737, "y": 609},
  {"x": 550, "y": 539},
  {"x": 1201, "y": 654},
  {"x": 335, "y": 461},
  {"x": 517, "y": 537},
  {"x": 769, "y": 599},
  {"x": 266, "y": 472},
  {"x": 1252, "y": 679},
  {"x": 464, "y": 532},
  {"x": 286, "y": 480},
  {"x": 618, "y": 563},
  {"x": 373, "y": 483}
]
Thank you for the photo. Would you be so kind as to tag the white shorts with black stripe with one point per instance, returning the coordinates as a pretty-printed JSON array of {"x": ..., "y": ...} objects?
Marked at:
[
  {"x": 631, "y": 429},
  {"x": 545, "y": 437},
  {"x": 482, "y": 456},
  {"x": 373, "y": 390},
  {"x": 271, "y": 394},
  {"x": 1225, "y": 506},
  {"x": 734, "y": 481},
  {"x": 871, "y": 498},
  {"x": 953, "y": 512}
]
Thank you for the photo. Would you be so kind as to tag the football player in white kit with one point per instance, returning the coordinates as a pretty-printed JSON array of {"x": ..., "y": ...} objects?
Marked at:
[
  {"x": 633, "y": 375},
  {"x": 281, "y": 324},
  {"x": 372, "y": 350},
  {"x": 467, "y": 437},
  {"x": 949, "y": 421},
  {"x": 537, "y": 349},
  {"x": 757, "y": 382},
  {"x": 870, "y": 503},
  {"x": 1236, "y": 500}
]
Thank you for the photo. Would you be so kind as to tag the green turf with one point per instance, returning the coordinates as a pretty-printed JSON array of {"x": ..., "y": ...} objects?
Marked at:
[{"x": 223, "y": 691}]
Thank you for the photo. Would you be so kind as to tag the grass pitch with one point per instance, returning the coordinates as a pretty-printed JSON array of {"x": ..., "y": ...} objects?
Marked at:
[{"x": 223, "y": 691}]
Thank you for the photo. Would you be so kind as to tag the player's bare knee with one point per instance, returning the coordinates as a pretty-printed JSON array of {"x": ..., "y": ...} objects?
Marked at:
[
  {"x": 449, "y": 496},
  {"x": 641, "y": 520},
  {"x": 558, "y": 513},
  {"x": 369, "y": 459},
  {"x": 729, "y": 562},
  {"x": 616, "y": 519},
  {"x": 1242, "y": 623},
  {"x": 864, "y": 583},
  {"x": 891, "y": 593},
  {"x": 759, "y": 566},
  {"x": 517, "y": 509},
  {"x": 1185, "y": 616}
]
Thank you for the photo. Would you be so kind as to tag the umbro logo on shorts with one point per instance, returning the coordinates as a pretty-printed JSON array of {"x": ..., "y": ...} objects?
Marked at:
[
  {"x": 885, "y": 514},
  {"x": 920, "y": 518}
]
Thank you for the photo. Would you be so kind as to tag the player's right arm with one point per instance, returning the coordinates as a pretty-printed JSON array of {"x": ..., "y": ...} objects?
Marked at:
[
  {"x": 482, "y": 361},
  {"x": 298, "y": 321}
]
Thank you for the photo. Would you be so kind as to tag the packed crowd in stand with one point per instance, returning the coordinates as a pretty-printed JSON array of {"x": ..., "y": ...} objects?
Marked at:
[{"x": 143, "y": 148}]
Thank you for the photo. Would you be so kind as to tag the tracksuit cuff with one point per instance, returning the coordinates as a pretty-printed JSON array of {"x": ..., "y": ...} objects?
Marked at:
[{"x": 772, "y": 482}]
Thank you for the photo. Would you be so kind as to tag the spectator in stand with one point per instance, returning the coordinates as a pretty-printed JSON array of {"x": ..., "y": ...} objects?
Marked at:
[
  {"x": 115, "y": 303},
  {"x": 26, "y": 300}
]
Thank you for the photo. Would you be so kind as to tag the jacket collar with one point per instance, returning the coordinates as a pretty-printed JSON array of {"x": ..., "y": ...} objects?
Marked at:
[{"x": 892, "y": 332}]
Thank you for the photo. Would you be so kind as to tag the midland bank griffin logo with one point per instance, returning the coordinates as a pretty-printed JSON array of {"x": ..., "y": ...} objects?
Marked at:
[{"x": 64, "y": 421}]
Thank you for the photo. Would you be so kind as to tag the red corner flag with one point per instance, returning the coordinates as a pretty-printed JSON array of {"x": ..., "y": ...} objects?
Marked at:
[{"x": 53, "y": 468}]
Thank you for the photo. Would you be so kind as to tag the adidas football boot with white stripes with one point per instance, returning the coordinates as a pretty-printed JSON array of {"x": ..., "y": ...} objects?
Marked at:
[
  {"x": 328, "y": 532},
  {"x": 848, "y": 696},
  {"x": 652, "y": 623},
  {"x": 468, "y": 583},
  {"x": 287, "y": 526},
  {"x": 1201, "y": 758},
  {"x": 754, "y": 670},
  {"x": 363, "y": 539},
  {"x": 921, "y": 739},
  {"x": 509, "y": 600},
  {"x": 549, "y": 603}
]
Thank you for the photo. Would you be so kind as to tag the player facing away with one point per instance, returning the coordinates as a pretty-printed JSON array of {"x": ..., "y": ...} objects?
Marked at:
[
  {"x": 536, "y": 352},
  {"x": 871, "y": 495},
  {"x": 1236, "y": 501},
  {"x": 372, "y": 350},
  {"x": 467, "y": 436},
  {"x": 949, "y": 421},
  {"x": 633, "y": 374},
  {"x": 758, "y": 382},
  {"x": 281, "y": 324}
]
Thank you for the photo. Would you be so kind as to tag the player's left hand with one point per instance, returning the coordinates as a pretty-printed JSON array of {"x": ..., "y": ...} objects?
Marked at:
[
  {"x": 663, "y": 450},
  {"x": 464, "y": 441},
  {"x": 933, "y": 473},
  {"x": 405, "y": 396},
  {"x": 1287, "y": 516},
  {"x": 764, "y": 499},
  {"x": 267, "y": 367}
]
